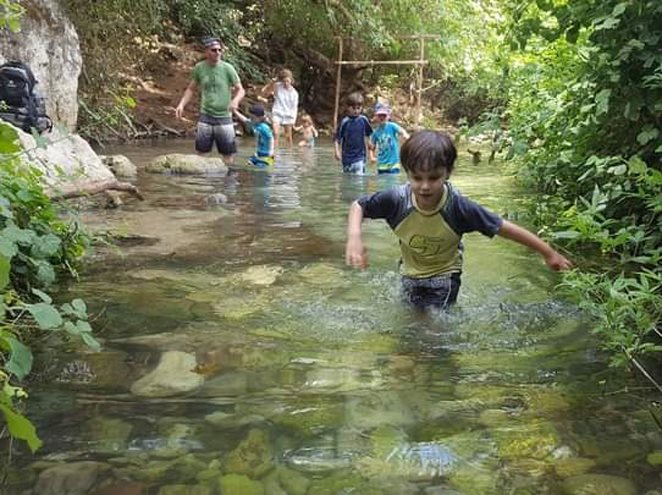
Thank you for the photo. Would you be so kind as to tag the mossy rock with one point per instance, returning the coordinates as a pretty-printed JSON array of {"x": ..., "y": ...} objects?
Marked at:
[
  {"x": 314, "y": 415},
  {"x": 185, "y": 490},
  {"x": 533, "y": 441},
  {"x": 239, "y": 484},
  {"x": 253, "y": 456},
  {"x": 179, "y": 163},
  {"x": 598, "y": 484}
]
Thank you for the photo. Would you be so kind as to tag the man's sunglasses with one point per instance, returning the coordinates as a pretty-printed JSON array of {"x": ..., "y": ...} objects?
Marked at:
[{"x": 215, "y": 49}]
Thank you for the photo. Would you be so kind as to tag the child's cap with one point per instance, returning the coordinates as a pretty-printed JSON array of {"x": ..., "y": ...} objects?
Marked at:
[
  {"x": 382, "y": 109},
  {"x": 257, "y": 110},
  {"x": 211, "y": 41}
]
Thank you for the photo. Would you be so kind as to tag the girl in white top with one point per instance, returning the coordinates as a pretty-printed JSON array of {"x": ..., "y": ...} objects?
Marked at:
[{"x": 286, "y": 103}]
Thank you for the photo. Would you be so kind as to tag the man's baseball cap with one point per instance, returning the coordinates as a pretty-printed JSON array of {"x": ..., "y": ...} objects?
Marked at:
[
  {"x": 211, "y": 41},
  {"x": 257, "y": 110},
  {"x": 382, "y": 109}
]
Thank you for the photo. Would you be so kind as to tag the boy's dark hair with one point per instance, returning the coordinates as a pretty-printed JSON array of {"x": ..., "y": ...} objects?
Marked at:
[
  {"x": 428, "y": 150},
  {"x": 355, "y": 98}
]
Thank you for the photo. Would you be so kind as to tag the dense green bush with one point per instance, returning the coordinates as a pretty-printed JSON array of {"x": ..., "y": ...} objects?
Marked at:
[
  {"x": 585, "y": 116},
  {"x": 35, "y": 247}
]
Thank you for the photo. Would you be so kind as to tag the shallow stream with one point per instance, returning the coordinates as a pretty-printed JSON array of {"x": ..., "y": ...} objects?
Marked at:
[{"x": 303, "y": 377}]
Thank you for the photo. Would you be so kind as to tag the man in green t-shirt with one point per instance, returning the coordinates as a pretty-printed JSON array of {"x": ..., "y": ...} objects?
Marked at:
[{"x": 221, "y": 91}]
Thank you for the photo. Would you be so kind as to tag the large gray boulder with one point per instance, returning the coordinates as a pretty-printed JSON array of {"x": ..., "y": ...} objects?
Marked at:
[
  {"x": 48, "y": 43},
  {"x": 66, "y": 161}
]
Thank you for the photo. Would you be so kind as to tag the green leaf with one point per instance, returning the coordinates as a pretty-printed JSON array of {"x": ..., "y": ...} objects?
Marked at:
[
  {"x": 618, "y": 169},
  {"x": 8, "y": 248},
  {"x": 20, "y": 427},
  {"x": 46, "y": 246},
  {"x": 20, "y": 361},
  {"x": 8, "y": 139},
  {"x": 91, "y": 342},
  {"x": 619, "y": 9},
  {"x": 5, "y": 268},
  {"x": 45, "y": 272},
  {"x": 637, "y": 165},
  {"x": 566, "y": 234},
  {"x": 80, "y": 308},
  {"x": 47, "y": 316},
  {"x": 42, "y": 295},
  {"x": 647, "y": 135},
  {"x": 17, "y": 235},
  {"x": 602, "y": 101},
  {"x": 83, "y": 326}
]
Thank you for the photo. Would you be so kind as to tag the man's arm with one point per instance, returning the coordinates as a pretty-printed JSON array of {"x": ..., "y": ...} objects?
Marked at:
[
  {"x": 238, "y": 93},
  {"x": 355, "y": 252},
  {"x": 522, "y": 236},
  {"x": 186, "y": 97}
]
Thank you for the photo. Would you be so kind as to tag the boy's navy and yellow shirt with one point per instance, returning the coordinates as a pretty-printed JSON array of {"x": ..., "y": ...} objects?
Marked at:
[{"x": 430, "y": 241}]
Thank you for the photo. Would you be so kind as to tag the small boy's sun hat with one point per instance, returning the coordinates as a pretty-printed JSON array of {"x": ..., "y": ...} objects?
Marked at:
[{"x": 382, "y": 109}]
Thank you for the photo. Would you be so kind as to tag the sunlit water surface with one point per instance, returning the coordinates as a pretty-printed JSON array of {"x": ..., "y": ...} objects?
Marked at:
[{"x": 302, "y": 376}]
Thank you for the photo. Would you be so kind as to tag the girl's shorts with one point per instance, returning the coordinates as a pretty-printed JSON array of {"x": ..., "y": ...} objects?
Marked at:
[{"x": 279, "y": 118}]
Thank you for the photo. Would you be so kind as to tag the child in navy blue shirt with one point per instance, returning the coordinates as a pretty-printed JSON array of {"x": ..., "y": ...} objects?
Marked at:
[
  {"x": 257, "y": 125},
  {"x": 351, "y": 140}
]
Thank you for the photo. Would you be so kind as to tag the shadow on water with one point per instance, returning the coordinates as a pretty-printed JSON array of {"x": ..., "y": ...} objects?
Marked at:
[{"x": 241, "y": 356}]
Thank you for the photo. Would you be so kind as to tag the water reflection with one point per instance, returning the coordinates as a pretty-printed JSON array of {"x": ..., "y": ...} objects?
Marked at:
[{"x": 241, "y": 356}]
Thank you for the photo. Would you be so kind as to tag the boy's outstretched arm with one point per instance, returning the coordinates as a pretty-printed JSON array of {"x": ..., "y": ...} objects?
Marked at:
[
  {"x": 355, "y": 252},
  {"x": 553, "y": 259}
]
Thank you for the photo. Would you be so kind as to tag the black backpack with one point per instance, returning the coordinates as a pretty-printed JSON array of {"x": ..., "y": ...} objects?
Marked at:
[{"x": 20, "y": 102}]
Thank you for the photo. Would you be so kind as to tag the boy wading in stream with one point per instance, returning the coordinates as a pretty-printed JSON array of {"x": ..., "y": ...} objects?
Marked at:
[{"x": 429, "y": 216}]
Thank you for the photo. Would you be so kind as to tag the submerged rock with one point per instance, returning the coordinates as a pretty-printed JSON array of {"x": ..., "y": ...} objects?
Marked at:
[
  {"x": 415, "y": 461},
  {"x": 238, "y": 484},
  {"x": 185, "y": 490},
  {"x": 261, "y": 275},
  {"x": 75, "y": 478},
  {"x": 120, "y": 165},
  {"x": 318, "y": 459},
  {"x": 598, "y": 484},
  {"x": 253, "y": 456},
  {"x": 179, "y": 163},
  {"x": 172, "y": 376}
]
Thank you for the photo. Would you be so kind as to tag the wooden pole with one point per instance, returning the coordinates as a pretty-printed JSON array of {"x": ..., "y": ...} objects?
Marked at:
[
  {"x": 382, "y": 62},
  {"x": 338, "y": 77},
  {"x": 419, "y": 89}
]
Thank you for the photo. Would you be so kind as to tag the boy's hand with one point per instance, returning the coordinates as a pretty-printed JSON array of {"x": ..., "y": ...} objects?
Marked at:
[
  {"x": 337, "y": 155},
  {"x": 356, "y": 255},
  {"x": 558, "y": 262}
]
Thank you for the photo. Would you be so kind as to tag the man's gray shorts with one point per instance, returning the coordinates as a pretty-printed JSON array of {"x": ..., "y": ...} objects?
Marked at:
[{"x": 215, "y": 130}]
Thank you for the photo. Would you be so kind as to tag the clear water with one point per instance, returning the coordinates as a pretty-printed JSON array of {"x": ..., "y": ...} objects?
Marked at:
[{"x": 316, "y": 379}]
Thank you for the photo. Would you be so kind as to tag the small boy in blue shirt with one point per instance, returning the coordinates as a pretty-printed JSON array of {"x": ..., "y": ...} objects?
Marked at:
[
  {"x": 351, "y": 140},
  {"x": 258, "y": 126},
  {"x": 386, "y": 141},
  {"x": 429, "y": 216}
]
